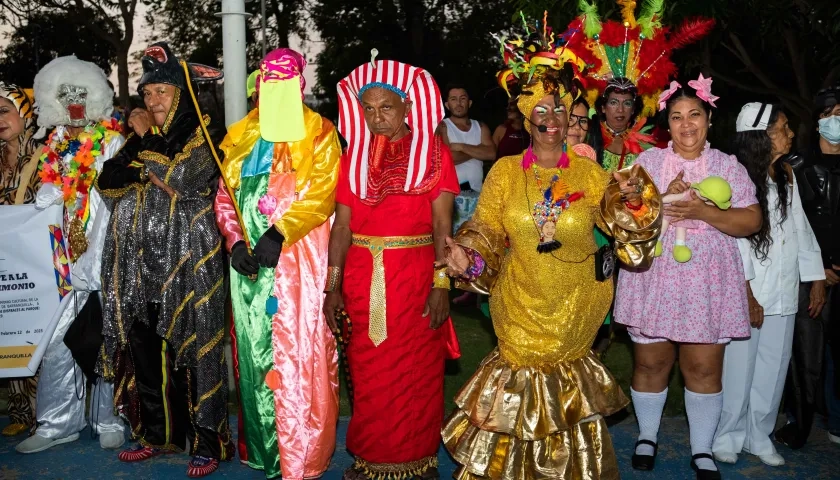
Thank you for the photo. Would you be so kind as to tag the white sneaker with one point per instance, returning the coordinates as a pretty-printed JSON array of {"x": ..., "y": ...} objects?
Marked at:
[
  {"x": 772, "y": 459},
  {"x": 726, "y": 457},
  {"x": 111, "y": 440},
  {"x": 833, "y": 438},
  {"x": 37, "y": 443}
]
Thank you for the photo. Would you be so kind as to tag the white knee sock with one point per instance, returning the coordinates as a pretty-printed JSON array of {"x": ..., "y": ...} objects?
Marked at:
[
  {"x": 648, "y": 408},
  {"x": 703, "y": 411}
]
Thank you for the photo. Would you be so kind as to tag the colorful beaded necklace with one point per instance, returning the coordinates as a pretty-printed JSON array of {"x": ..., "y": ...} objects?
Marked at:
[
  {"x": 68, "y": 163},
  {"x": 556, "y": 199}
]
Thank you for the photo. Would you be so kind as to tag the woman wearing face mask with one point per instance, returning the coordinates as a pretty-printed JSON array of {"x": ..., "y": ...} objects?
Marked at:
[
  {"x": 816, "y": 344},
  {"x": 18, "y": 183},
  {"x": 696, "y": 307},
  {"x": 781, "y": 252}
]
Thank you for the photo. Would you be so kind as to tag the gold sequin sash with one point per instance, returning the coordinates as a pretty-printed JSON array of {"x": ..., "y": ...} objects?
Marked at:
[{"x": 378, "y": 330}]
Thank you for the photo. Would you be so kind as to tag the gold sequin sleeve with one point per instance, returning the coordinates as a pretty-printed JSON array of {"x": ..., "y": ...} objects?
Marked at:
[
  {"x": 635, "y": 234},
  {"x": 484, "y": 232}
]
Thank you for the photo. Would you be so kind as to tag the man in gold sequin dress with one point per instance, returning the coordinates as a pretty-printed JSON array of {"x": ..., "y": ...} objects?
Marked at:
[{"x": 535, "y": 407}]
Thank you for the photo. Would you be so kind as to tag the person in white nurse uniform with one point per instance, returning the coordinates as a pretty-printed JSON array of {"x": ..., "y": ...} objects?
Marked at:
[{"x": 783, "y": 253}]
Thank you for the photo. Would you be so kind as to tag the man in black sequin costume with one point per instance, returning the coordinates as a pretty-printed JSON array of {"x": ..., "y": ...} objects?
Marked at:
[{"x": 163, "y": 275}]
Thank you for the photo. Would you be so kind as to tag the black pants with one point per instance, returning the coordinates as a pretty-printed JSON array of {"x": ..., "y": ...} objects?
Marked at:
[
  {"x": 166, "y": 395},
  {"x": 804, "y": 385}
]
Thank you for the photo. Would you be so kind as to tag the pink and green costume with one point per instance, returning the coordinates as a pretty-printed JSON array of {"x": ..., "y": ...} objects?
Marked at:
[{"x": 287, "y": 361}]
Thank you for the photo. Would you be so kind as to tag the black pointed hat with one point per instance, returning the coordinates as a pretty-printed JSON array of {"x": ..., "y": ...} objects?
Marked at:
[{"x": 160, "y": 65}]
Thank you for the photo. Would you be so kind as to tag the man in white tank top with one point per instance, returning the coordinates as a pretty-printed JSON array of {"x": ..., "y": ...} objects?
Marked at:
[{"x": 469, "y": 140}]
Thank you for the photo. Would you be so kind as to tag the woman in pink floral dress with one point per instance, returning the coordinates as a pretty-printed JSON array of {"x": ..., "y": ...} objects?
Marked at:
[{"x": 695, "y": 307}]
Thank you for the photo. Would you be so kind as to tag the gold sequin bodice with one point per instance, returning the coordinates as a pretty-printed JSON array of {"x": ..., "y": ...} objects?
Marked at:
[{"x": 546, "y": 307}]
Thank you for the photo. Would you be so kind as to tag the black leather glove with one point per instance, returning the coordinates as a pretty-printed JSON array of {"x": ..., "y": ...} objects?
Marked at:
[
  {"x": 267, "y": 251},
  {"x": 242, "y": 261}
]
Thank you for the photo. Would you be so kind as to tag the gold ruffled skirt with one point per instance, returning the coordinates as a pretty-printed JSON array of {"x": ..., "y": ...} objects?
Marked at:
[{"x": 535, "y": 422}]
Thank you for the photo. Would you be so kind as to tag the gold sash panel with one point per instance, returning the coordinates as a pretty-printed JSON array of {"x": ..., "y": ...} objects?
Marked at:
[{"x": 378, "y": 330}]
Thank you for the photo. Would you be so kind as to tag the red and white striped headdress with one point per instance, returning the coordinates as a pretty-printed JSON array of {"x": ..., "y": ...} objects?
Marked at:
[{"x": 426, "y": 113}]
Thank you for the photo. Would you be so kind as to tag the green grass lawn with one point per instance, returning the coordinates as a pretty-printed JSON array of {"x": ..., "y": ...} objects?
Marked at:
[{"x": 475, "y": 334}]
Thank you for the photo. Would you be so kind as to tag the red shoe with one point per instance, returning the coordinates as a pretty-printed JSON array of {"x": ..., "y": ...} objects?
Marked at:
[
  {"x": 138, "y": 453},
  {"x": 201, "y": 466}
]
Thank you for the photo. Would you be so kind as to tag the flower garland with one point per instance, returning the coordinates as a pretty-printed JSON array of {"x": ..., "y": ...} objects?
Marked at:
[{"x": 69, "y": 164}]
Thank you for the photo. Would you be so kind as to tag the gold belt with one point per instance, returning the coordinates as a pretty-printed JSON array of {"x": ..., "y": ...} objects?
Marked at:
[{"x": 378, "y": 330}]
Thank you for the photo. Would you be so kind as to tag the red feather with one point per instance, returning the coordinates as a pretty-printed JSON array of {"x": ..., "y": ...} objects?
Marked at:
[
  {"x": 690, "y": 31},
  {"x": 613, "y": 33},
  {"x": 655, "y": 62}
]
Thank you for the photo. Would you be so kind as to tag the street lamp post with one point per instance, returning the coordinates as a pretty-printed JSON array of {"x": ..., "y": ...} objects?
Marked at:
[{"x": 233, "y": 51}]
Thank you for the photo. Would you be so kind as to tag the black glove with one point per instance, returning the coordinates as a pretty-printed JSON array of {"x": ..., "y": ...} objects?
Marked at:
[
  {"x": 242, "y": 261},
  {"x": 268, "y": 248}
]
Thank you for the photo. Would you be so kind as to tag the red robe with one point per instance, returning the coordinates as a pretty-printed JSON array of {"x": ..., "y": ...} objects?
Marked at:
[{"x": 398, "y": 385}]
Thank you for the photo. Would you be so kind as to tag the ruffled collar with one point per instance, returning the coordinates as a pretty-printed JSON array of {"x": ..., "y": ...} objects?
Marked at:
[{"x": 530, "y": 158}]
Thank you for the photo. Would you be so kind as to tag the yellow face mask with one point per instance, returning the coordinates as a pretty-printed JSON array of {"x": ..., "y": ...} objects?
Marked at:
[{"x": 281, "y": 111}]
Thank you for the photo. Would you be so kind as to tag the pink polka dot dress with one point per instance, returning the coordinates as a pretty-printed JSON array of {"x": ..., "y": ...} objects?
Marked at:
[{"x": 703, "y": 300}]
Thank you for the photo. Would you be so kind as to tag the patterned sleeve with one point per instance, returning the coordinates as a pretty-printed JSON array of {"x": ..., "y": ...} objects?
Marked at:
[
  {"x": 448, "y": 181},
  {"x": 743, "y": 190},
  {"x": 34, "y": 179}
]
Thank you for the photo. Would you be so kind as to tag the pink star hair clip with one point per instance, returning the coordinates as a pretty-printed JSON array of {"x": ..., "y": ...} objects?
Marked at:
[{"x": 704, "y": 89}]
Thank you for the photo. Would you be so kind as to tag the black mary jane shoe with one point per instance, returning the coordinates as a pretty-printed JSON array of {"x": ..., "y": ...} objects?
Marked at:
[
  {"x": 702, "y": 473},
  {"x": 644, "y": 462}
]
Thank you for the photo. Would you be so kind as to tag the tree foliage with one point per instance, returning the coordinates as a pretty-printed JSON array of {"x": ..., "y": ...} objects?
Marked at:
[
  {"x": 780, "y": 51},
  {"x": 46, "y": 36},
  {"x": 451, "y": 39},
  {"x": 200, "y": 40},
  {"x": 111, "y": 21}
]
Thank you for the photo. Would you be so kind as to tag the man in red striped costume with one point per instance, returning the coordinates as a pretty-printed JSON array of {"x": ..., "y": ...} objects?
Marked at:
[{"x": 393, "y": 211}]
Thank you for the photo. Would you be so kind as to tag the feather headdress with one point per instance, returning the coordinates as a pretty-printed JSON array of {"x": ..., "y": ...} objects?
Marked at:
[
  {"x": 540, "y": 64},
  {"x": 637, "y": 49}
]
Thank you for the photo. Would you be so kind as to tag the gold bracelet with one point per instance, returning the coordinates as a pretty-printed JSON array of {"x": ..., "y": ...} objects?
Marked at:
[
  {"x": 333, "y": 279},
  {"x": 441, "y": 280}
]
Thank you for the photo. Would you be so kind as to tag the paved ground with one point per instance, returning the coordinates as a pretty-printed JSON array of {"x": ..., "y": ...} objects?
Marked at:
[{"x": 85, "y": 460}]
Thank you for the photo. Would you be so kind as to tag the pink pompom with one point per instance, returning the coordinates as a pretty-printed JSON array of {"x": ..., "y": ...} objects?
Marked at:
[{"x": 267, "y": 204}]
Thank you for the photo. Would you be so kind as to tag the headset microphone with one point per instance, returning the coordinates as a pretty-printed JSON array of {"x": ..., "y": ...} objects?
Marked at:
[{"x": 540, "y": 128}]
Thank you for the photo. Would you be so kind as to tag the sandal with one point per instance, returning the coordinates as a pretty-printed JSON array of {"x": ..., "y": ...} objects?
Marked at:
[
  {"x": 201, "y": 466},
  {"x": 138, "y": 453}
]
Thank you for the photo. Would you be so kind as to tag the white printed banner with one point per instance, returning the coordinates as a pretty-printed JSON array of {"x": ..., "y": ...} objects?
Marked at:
[{"x": 34, "y": 280}]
